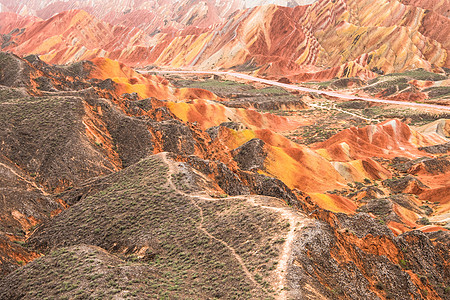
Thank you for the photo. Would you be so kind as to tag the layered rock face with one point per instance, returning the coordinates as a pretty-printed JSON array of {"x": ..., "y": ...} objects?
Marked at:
[
  {"x": 119, "y": 184},
  {"x": 318, "y": 41},
  {"x": 440, "y": 7}
]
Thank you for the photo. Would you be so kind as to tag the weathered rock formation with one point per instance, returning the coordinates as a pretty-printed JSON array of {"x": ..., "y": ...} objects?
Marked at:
[{"x": 299, "y": 43}]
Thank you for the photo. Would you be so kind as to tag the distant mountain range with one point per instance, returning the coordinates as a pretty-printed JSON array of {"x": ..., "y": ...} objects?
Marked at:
[
  {"x": 103, "y": 8},
  {"x": 326, "y": 39}
]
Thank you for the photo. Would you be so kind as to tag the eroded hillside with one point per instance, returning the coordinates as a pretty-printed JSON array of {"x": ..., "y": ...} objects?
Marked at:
[{"x": 146, "y": 187}]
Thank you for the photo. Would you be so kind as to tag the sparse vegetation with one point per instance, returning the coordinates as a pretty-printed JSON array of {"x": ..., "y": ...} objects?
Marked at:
[
  {"x": 418, "y": 74},
  {"x": 139, "y": 208},
  {"x": 438, "y": 92},
  {"x": 403, "y": 263},
  {"x": 424, "y": 221},
  {"x": 379, "y": 285},
  {"x": 219, "y": 87}
]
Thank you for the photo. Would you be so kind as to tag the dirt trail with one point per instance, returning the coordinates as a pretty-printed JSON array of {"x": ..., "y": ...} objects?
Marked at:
[
  {"x": 334, "y": 107},
  {"x": 200, "y": 226},
  {"x": 296, "y": 222}
]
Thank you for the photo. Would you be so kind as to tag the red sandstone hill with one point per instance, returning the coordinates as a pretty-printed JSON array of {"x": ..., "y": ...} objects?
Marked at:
[
  {"x": 387, "y": 139},
  {"x": 319, "y": 41},
  {"x": 10, "y": 21},
  {"x": 74, "y": 33},
  {"x": 439, "y": 6}
]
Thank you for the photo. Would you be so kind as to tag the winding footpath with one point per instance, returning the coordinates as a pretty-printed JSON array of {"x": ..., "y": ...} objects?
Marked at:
[
  {"x": 296, "y": 222},
  {"x": 200, "y": 225},
  {"x": 303, "y": 89}
]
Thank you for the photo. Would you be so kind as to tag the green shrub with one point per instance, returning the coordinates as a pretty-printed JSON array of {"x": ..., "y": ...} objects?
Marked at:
[
  {"x": 403, "y": 263},
  {"x": 379, "y": 285}
]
